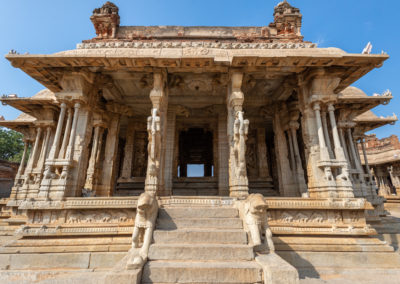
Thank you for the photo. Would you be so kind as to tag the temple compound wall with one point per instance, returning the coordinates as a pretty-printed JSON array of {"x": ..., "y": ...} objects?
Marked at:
[{"x": 272, "y": 121}]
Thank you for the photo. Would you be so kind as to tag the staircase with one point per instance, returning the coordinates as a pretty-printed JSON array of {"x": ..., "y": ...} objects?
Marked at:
[
  {"x": 200, "y": 245},
  {"x": 204, "y": 186}
]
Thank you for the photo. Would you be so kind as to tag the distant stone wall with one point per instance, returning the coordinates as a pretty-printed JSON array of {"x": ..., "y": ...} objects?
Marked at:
[
  {"x": 8, "y": 170},
  {"x": 375, "y": 145},
  {"x": 384, "y": 160}
]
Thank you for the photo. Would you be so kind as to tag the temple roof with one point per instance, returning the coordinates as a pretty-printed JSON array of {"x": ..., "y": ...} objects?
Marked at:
[
  {"x": 369, "y": 121},
  {"x": 32, "y": 106}
]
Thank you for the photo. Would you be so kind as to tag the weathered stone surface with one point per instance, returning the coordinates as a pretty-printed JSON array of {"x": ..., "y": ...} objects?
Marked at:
[
  {"x": 202, "y": 272},
  {"x": 227, "y": 252},
  {"x": 209, "y": 236}
]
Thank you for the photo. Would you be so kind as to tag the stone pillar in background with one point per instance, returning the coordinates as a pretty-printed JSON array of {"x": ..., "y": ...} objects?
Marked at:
[
  {"x": 91, "y": 171},
  {"x": 263, "y": 169},
  {"x": 237, "y": 133},
  {"x": 287, "y": 182},
  {"x": 61, "y": 153},
  {"x": 33, "y": 157},
  {"x": 21, "y": 168},
  {"x": 223, "y": 155},
  {"x": 357, "y": 162},
  {"x": 371, "y": 180},
  {"x": 294, "y": 125},
  {"x": 169, "y": 151},
  {"x": 109, "y": 169},
  {"x": 126, "y": 172}
]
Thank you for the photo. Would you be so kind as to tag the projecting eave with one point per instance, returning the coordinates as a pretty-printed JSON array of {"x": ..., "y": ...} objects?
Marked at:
[
  {"x": 368, "y": 125},
  {"x": 48, "y": 69},
  {"x": 31, "y": 106}
]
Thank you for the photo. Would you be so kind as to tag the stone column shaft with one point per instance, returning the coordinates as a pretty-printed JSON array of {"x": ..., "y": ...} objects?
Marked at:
[
  {"x": 56, "y": 142},
  {"x": 262, "y": 153},
  {"x": 223, "y": 156},
  {"x": 292, "y": 158},
  {"x": 32, "y": 159},
  {"x": 61, "y": 153},
  {"x": 71, "y": 144},
  {"x": 127, "y": 163},
  {"x": 92, "y": 162},
  {"x": 44, "y": 149},
  {"x": 326, "y": 133},
  {"x": 169, "y": 151},
  {"x": 22, "y": 165},
  {"x": 321, "y": 138}
]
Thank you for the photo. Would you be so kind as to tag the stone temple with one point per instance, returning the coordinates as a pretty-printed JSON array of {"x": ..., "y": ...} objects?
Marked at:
[{"x": 106, "y": 192}]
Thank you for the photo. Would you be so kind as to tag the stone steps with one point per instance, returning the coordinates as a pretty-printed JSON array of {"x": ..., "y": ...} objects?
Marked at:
[
  {"x": 205, "y": 244},
  {"x": 195, "y": 236},
  {"x": 184, "y": 223},
  {"x": 222, "y": 252},
  {"x": 195, "y": 187},
  {"x": 202, "y": 272},
  {"x": 198, "y": 212}
]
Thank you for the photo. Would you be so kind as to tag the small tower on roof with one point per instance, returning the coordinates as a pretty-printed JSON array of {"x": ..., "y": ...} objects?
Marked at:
[
  {"x": 287, "y": 20},
  {"x": 106, "y": 20}
]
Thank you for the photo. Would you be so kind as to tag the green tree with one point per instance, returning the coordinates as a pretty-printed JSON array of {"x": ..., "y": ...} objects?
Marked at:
[{"x": 11, "y": 145}]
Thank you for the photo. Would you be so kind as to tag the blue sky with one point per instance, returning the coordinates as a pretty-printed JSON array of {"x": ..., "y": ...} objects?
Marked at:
[{"x": 47, "y": 26}]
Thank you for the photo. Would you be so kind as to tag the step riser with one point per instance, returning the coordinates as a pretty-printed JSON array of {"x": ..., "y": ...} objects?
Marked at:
[
  {"x": 221, "y": 223},
  {"x": 231, "y": 253},
  {"x": 201, "y": 275},
  {"x": 229, "y": 237},
  {"x": 198, "y": 213}
]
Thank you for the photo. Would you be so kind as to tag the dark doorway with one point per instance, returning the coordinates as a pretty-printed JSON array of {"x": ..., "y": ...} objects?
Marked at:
[{"x": 196, "y": 148}]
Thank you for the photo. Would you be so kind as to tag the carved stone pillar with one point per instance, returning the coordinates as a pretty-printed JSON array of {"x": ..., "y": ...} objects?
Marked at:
[
  {"x": 109, "y": 169},
  {"x": 41, "y": 161},
  {"x": 287, "y": 183},
  {"x": 61, "y": 153},
  {"x": 33, "y": 158},
  {"x": 18, "y": 182},
  {"x": 169, "y": 151},
  {"x": 90, "y": 174},
  {"x": 343, "y": 180},
  {"x": 323, "y": 151},
  {"x": 54, "y": 148},
  {"x": 357, "y": 162},
  {"x": 326, "y": 134},
  {"x": 263, "y": 169},
  {"x": 22, "y": 164},
  {"x": 237, "y": 132},
  {"x": 371, "y": 180},
  {"x": 126, "y": 172},
  {"x": 291, "y": 152},
  {"x": 156, "y": 129},
  {"x": 223, "y": 155},
  {"x": 293, "y": 125},
  {"x": 153, "y": 150}
]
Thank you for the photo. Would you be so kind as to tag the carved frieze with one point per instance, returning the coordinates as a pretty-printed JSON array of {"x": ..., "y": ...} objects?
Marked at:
[{"x": 196, "y": 47}]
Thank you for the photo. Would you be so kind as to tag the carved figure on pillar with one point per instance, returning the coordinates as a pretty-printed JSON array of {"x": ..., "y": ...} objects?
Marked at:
[
  {"x": 238, "y": 128},
  {"x": 153, "y": 162}
]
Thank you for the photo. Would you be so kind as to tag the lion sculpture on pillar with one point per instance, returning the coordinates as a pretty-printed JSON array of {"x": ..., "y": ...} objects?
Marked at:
[
  {"x": 255, "y": 217},
  {"x": 145, "y": 219}
]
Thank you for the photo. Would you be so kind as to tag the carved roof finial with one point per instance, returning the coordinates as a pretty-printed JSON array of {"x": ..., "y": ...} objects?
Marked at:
[
  {"x": 287, "y": 19},
  {"x": 106, "y": 20}
]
